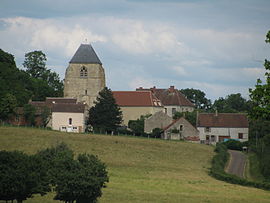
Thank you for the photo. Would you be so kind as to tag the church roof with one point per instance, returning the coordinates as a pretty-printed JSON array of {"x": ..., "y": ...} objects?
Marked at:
[{"x": 85, "y": 54}]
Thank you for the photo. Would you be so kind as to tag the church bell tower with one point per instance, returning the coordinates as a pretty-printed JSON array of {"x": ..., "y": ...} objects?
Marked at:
[{"x": 85, "y": 76}]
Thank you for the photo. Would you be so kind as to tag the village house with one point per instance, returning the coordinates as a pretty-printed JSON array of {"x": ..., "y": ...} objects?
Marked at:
[
  {"x": 181, "y": 129},
  {"x": 217, "y": 127},
  {"x": 172, "y": 99},
  {"x": 134, "y": 104},
  {"x": 157, "y": 120}
]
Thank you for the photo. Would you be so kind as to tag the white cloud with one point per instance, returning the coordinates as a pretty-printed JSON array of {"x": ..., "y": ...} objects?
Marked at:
[{"x": 180, "y": 70}]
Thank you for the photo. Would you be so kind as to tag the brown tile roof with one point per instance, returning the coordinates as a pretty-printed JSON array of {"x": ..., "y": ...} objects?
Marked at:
[
  {"x": 170, "y": 96},
  {"x": 70, "y": 108},
  {"x": 136, "y": 98},
  {"x": 230, "y": 120}
]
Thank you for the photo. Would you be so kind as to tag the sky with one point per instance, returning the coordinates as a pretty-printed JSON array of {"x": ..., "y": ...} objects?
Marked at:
[{"x": 215, "y": 46}]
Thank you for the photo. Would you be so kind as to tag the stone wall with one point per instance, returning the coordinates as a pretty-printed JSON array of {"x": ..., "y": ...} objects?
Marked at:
[
  {"x": 85, "y": 88},
  {"x": 158, "y": 120}
]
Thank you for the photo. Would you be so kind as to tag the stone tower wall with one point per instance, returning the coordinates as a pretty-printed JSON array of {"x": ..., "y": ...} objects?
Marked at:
[{"x": 84, "y": 88}]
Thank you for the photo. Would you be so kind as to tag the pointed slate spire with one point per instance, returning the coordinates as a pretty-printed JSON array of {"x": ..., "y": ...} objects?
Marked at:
[{"x": 85, "y": 54}]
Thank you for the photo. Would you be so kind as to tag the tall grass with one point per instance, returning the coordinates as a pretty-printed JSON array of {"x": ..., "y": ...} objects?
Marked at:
[{"x": 140, "y": 170}]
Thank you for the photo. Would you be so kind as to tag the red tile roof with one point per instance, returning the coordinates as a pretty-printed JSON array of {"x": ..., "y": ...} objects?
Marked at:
[
  {"x": 136, "y": 98},
  {"x": 229, "y": 120},
  {"x": 170, "y": 96}
]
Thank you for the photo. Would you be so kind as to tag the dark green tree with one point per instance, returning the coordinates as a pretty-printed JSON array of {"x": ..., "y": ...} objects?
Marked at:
[
  {"x": 21, "y": 176},
  {"x": 197, "y": 97},
  {"x": 81, "y": 180},
  {"x": 260, "y": 119},
  {"x": 45, "y": 115},
  {"x": 8, "y": 104},
  {"x": 260, "y": 96},
  {"x": 189, "y": 116},
  {"x": 35, "y": 64},
  {"x": 105, "y": 116},
  {"x": 233, "y": 103},
  {"x": 29, "y": 114},
  {"x": 137, "y": 126},
  {"x": 45, "y": 82},
  {"x": 12, "y": 80}
]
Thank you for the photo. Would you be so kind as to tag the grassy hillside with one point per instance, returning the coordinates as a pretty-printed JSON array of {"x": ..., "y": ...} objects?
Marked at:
[{"x": 140, "y": 169}]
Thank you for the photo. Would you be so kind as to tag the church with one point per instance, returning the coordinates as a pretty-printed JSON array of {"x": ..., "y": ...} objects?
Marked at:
[{"x": 85, "y": 78}]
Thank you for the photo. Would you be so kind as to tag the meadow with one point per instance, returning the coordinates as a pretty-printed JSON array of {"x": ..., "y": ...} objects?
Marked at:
[{"x": 140, "y": 169}]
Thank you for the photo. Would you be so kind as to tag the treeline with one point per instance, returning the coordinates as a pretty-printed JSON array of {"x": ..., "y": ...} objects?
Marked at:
[
  {"x": 18, "y": 86},
  {"x": 80, "y": 179}
]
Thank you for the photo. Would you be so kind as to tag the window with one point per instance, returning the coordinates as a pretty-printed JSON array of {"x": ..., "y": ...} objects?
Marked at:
[
  {"x": 85, "y": 92},
  {"x": 165, "y": 110},
  {"x": 173, "y": 111},
  {"x": 70, "y": 121},
  {"x": 240, "y": 135},
  {"x": 207, "y": 129},
  {"x": 83, "y": 72},
  {"x": 181, "y": 127},
  {"x": 64, "y": 128},
  {"x": 74, "y": 128}
]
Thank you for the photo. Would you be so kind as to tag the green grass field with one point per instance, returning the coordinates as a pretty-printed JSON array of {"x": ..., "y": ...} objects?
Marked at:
[{"x": 140, "y": 169}]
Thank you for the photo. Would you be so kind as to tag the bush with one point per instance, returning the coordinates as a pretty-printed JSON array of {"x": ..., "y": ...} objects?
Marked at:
[{"x": 234, "y": 145}]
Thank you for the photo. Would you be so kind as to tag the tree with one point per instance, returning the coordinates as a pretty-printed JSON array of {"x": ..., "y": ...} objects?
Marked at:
[
  {"x": 81, "y": 180},
  {"x": 35, "y": 63},
  {"x": 8, "y": 103},
  {"x": 189, "y": 116},
  {"x": 137, "y": 126},
  {"x": 21, "y": 176},
  {"x": 29, "y": 114},
  {"x": 260, "y": 117},
  {"x": 232, "y": 103},
  {"x": 105, "y": 116},
  {"x": 197, "y": 97},
  {"x": 45, "y": 82},
  {"x": 78, "y": 180},
  {"x": 260, "y": 96},
  {"x": 45, "y": 116}
]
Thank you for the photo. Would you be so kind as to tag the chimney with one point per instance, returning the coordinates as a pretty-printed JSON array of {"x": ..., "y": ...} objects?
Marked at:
[{"x": 171, "y": 89}]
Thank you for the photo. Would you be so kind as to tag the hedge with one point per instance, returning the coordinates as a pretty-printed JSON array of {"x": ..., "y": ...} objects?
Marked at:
[{"x": 217, "y": 170}]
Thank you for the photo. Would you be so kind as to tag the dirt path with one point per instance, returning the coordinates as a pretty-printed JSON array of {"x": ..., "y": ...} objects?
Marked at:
[{"x": 237, "y": 163}]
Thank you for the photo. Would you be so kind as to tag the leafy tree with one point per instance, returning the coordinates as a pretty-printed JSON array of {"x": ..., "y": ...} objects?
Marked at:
[
  {"x": 156, "y": 132},
  {"x": 29, "y": 114},
  {"x": 231, "y": 104},
  {"x": 81, "y": 180},
  {"x": 21, "y": 176},
  {"x": 35, "y": 64},
  {"x": 197, "y": 97},
  {"x": 12, "y": 80},
  {"x": 78, "y": 180},
  {"x": 189, "y": 116},
  {"x": 45, "y": 82},
  {"x": 137, "y": 126},
  {"x": 260, "y": 96},
  {"x": 8, "y": 103},
  {"x": 45, "y": 116},
  {"x": 260, "y": 117},
  {"x": 105, "y": 116}
]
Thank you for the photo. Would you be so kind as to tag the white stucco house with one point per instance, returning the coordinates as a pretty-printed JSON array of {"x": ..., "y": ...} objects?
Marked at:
[
  {"x": 69, "y": 117},
  {"x": 216, "y": 127}
]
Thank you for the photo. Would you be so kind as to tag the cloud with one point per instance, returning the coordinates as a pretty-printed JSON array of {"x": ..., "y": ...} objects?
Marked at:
[{"x": 180, "y": 70}]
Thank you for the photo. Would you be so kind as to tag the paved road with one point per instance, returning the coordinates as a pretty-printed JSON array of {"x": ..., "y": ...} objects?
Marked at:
[{"x": 237, "y": 163}]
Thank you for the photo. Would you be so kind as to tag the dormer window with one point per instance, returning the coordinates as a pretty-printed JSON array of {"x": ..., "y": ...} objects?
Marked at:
[{"x": 83, "y": 72}]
